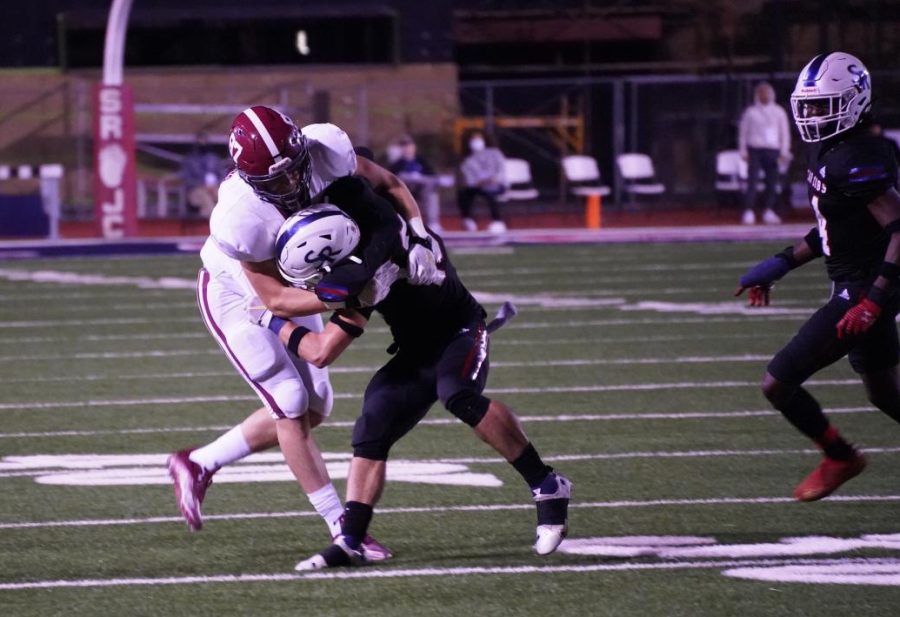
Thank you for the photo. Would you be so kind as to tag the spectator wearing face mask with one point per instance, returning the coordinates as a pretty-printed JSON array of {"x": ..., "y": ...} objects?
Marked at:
[
  {"x": 482, "y": 177},
  {"x": 419, "y": 176}
]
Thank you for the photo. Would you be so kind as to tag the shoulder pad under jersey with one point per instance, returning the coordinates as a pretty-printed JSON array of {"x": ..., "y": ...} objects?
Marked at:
[
  {"x": 242, "y": 225},
  {"x": 331, "y": 153}
]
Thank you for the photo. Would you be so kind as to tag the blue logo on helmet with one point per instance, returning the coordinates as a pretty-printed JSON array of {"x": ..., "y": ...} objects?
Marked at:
[
  {"x": 862, "y": 76},
  {"x": 813, "y": 71}
]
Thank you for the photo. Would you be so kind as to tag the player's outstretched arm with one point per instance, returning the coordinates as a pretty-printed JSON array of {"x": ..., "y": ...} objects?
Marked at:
[
  {"x": 389, "y": 185},
  {"x": 423, "y": 268},
  {"x": 760, "y": 278},
  {"x": 280, "y": 299},
  {"x": 321, "y": 348},
  {"x": 861, "y": 317}
]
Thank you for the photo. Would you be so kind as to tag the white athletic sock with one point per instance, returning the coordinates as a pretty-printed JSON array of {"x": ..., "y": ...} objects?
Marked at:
[
  {"x": 228, "y": 448},
  {"x": 328, "y": 505}
]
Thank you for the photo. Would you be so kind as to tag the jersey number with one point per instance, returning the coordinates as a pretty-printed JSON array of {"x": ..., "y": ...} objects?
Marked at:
[{"x": 823, "y": 225}]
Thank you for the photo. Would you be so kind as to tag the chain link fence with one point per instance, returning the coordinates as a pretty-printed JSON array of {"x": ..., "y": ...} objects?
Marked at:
[{"x": 682, "y": 122}]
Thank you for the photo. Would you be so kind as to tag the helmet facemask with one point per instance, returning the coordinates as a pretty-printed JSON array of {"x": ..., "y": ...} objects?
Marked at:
[
  {"x": 287, "y": 183},
  {"x": 819, "y": 117}
]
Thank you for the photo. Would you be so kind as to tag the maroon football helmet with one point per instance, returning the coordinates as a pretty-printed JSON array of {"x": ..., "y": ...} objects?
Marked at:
[{"x": 272, "y": 156}]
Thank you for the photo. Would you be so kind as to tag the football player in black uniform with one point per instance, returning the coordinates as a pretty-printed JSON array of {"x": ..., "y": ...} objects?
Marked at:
[
  {"x": 440, "y": 352},
  {"x": 851, "y": 177}
]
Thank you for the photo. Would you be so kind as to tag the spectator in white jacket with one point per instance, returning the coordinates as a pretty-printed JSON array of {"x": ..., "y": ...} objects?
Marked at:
[
  {"x": 764, "y": 141},
  {"x": 483, "y": 175}
]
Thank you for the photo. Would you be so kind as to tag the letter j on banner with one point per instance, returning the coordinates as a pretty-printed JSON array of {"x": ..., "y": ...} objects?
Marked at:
[{"x": 115, "y": 182}]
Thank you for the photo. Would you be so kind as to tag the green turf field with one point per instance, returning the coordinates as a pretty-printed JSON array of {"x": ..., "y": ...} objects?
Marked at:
[{"x": 632, "y": 366}]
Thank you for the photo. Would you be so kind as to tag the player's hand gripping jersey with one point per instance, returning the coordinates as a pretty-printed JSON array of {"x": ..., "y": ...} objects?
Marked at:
[
  {"x": 422, "y": 318},
  {"x": 845, "y": 174}
]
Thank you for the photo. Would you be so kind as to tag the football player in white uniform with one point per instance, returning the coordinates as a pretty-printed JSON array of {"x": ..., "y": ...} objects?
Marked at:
[{"x": 280, "y": 169}]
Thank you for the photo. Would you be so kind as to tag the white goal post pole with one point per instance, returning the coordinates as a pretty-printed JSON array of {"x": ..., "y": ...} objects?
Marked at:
[
  {"x": 114, "y": 46},
  {"x": 115, "y": 178}
]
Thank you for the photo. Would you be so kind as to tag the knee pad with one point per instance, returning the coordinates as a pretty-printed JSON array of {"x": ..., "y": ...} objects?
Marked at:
[
  {"x": 468, "y": 406},
  {"x": 288, "y": 397},
  {"x": 321, "y": 399},
  {"x": 370, "y": 440}
]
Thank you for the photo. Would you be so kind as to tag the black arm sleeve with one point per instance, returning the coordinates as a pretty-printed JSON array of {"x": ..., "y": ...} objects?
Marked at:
[
  {"x": 379, "y": 228},
  {"x": 379, "y": 224},
  {"x": 814, "y": 240}
]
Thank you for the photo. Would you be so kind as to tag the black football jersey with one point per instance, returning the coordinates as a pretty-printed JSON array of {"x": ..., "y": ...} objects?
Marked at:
[
  {"x": 421, "y": 317},
  {"x": 379, "y": 239},
  {"x": 424, "y": 318},
  {"x": 845, "y": 174}
]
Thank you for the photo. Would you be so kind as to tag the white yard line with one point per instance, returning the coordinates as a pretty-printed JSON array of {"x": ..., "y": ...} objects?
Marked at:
[
  {"x": 622, "y": 321},
  {"x": 499, "y": 342},
  {"x": 14, "y": 472},
  {"x": 113, "y": 355},
  {"x": 552, "y": 418},
  {"x": 388, "y": 573},
  {"x": 603, "y": 505},
  {"x": 188, "y": 400},
  {"x": 162, "y": 353},
  {"x": 81, "y": 323}
]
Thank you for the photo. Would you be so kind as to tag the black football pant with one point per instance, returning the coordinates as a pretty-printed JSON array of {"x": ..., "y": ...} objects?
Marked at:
[
  {"x": 874, "y": 355},
  {"x": 402, "y": 391}
]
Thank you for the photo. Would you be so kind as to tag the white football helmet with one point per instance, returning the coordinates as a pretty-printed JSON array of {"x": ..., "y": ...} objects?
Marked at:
[
  {"x": 832, "y": 93},
  {"x": 311, "y": 241}
]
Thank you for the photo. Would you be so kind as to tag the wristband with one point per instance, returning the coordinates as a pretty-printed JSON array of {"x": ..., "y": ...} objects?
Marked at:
[
  {"x": 878, "y": 295},
  {"x": 350, "y": 328},
  {"x": 417, "y": 227},
  {"x": 426, "y": 242},
  {"x": 276, "y": 324},
  {"x": 890, "y": 271},
  {"x": 294, "y": 341}
]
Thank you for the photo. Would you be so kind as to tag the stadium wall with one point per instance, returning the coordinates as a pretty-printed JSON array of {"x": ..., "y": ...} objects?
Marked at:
[{"x": 45, "y": 115}]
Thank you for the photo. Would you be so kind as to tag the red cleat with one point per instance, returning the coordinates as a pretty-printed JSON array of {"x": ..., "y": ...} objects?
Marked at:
[
  {"x": 191, "y": 482},
  {"x": 373, "y": 550},
  {"x": 828, "y": 476}
]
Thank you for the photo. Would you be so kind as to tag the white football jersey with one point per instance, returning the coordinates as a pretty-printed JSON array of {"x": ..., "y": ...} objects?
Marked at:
[{"x": 243, "y": 227}]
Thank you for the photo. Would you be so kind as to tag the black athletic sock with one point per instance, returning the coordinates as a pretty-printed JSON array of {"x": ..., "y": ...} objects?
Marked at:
[
  {"x": 834, "y": 446},
  {"x": 357, "y": 516},
  {"x": 805, "y": 413},
  {"x": 531, "y": 467}
]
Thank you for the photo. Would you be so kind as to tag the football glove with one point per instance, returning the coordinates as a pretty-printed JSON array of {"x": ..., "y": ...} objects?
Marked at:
[
  {"x": 421, "y": 265},
  {"x": 759, "y": 279},
  {"x": 258, "y": 314},
  {"x": 858, "y": 319}
]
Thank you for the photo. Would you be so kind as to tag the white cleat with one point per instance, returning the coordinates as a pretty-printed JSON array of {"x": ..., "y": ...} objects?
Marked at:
[
  {"x": 749, "y": 217},
  {"x": 549, "y": 537},
  {"x": 339, "y": 554},
  {"x": 552, "y": 515},
  {"x": 316, "y": 562}
]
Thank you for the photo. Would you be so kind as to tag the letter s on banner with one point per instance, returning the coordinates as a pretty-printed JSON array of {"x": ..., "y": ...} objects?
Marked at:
[{"x": 115, "y": 181}]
